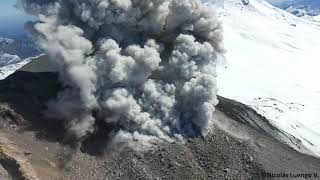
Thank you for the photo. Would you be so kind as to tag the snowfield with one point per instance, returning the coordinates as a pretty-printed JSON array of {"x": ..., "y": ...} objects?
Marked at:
[
  {"x": 10, "y": 68},
  {"x": 272, "y": 64},
  {"x": 6, "y": 40},
  {"x": 6, "y": 59}
]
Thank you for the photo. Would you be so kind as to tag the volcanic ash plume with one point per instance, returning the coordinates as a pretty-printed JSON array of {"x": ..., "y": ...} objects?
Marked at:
[{"x": 143, "y": 68}]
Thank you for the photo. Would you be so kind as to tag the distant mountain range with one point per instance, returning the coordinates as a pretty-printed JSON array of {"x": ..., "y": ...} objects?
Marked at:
[
  {"x": 16, "y": 52},
  {"x": 302, "y": 7},
  {"x": 22, "y": 46}
]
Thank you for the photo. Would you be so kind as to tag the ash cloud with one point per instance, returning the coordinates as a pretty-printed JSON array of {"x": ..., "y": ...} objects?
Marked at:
[{"x": 145, "y": 68}]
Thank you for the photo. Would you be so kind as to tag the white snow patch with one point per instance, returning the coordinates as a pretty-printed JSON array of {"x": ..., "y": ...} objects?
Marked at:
[
  {"x": 9, "y": 69},
  {"x": 272, "y": 65}
]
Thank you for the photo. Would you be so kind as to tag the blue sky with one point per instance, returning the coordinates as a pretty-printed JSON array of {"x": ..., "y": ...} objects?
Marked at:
[
  {"x": 11, "y": 19},
  {"x": 9, "y": 12},
  {"x": 279, "y": 1},
  {"x": 7, "y": 9}
]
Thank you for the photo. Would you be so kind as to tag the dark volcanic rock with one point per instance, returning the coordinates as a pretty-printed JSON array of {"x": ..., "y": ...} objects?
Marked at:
[{"x": 242, "y": 145}]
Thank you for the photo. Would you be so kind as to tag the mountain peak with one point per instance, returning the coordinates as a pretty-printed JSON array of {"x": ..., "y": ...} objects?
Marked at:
[{"x": 301, "y": 7}]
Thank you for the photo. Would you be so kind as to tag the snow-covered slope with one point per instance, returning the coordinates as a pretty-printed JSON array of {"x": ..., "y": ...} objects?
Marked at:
[
  {"x": 10, "y": 63},
  {"x": 9, "y": 69},
  {"x": 301, "y": 11},
  {"x": 6, "y": 40},
  {"x": 272, "y": 64},
  {"x": 21, "y": 45},
  {"x": 15, "y": 53},
  {"x": 6, "y": 59}
]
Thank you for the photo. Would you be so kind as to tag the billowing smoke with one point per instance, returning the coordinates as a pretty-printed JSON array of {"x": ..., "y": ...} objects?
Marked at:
[{"x": 144, "y": 68}]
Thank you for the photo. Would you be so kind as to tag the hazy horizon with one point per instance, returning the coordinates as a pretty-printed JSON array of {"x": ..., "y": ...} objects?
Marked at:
[{"x": 12, "y": 19}]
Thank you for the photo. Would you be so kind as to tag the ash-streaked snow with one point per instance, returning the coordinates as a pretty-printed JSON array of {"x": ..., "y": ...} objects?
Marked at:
[{"x": 272, "y": 64}]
